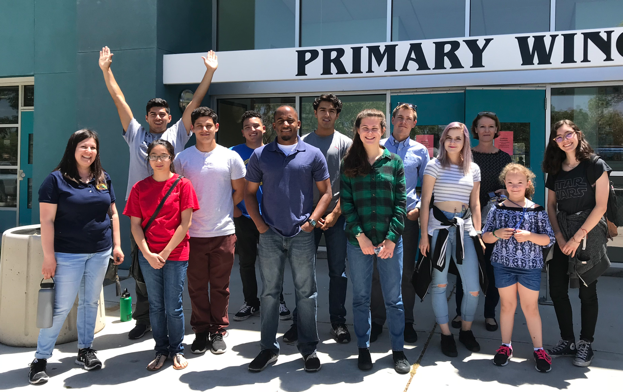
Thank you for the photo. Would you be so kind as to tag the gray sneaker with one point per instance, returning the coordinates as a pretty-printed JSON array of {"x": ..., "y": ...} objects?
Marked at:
[
  {"x": 218, "y": 345},
  {"x": 584, "y": 355},
  {"x": 564, "y": 348}
]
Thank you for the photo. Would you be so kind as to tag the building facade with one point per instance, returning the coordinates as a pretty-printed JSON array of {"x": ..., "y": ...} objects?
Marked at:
[{"x": 532, "y": 62}]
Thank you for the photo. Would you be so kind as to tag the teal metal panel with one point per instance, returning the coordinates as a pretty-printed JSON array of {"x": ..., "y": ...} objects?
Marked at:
[
  {"x": 17, "y": 32},
  {"x": 434, "y": 109},
  {"x": 7, "y": 220},
  {"x": 516, "y": 106},
  {"x": 55, "y": 36}
]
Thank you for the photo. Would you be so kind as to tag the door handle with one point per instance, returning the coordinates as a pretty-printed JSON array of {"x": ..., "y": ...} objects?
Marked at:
[{"x": 21, "y": 175}]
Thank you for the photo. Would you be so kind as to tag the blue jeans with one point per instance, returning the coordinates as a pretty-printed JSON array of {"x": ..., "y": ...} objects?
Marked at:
[
  {"x": 76, "y": 273},
  {"x": 335, "y": 239},
  {"x": 468, "y": 271},
  {"x": 274, "y": 250},
  {"x": 390, "y": 273},
  {"x": 165, "y": 287}
]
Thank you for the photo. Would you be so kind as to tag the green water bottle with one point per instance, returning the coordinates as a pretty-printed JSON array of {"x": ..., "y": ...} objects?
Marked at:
[{"x": 125, "y": 306}]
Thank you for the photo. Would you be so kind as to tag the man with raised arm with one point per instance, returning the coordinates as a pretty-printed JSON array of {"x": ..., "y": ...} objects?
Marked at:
[
  {"x": 288, "y": 169},
  {"x": 138, "y": 138}
]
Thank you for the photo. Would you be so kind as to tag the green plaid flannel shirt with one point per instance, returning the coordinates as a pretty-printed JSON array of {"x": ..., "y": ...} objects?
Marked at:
[{"x": 375, "y": 204}]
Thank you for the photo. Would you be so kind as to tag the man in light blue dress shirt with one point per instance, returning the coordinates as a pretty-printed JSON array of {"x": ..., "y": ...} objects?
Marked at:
[{"x": 415, "y": 157}]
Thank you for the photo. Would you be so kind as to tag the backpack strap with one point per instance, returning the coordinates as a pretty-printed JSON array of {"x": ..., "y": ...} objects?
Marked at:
[
  {"x": 179, "y": 177},
  {"x": 590, "y": 173}
]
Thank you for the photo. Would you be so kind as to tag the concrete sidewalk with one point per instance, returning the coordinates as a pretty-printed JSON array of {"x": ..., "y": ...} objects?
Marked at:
[{"x": 125, "y": 360}]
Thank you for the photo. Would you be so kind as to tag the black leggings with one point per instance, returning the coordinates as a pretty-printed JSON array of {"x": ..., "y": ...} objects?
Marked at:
[{"x": 559, "y": 291}]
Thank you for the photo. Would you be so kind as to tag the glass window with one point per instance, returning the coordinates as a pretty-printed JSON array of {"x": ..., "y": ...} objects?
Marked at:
[
  {"x": 8, "y": 187},
  {"x": 255, "y": 24},
  {"x": 598, "y": 112},
  {"x": 425, "y": 19},
  {"x": 331, "y": 22},
  {"x": 588, "y": 14},
  {"x": 230, "y": 110},
  {"x": 351, "y": 106},
  {"x": 9, "y": 104},
  {"x": 520, "y": 137},
  {"x": 490, "y": 17},
  {"x": 29, "y": 96},
  {"x": 8, "y": 146}
]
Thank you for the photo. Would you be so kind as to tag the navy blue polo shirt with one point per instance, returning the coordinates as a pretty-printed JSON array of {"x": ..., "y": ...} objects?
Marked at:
[
  {"x": 288, "y": 184},
  {"x": 82, "y": 224}
]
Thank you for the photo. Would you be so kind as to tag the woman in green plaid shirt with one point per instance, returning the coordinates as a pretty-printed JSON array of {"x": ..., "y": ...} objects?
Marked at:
[{"x": 373, "y": 200}]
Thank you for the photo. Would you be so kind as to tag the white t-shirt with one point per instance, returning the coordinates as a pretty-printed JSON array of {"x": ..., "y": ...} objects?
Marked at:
[
  {"x": 211, "y": 174},
  {"x": 287, "y": 149},
  {"x": 139, "y": 139},
  {"x": 451, "y": 183}
]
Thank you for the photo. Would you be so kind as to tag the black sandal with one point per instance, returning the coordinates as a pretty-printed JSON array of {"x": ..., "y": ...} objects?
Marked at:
[
  {"x": 491, "y": 327},
  {"x": 456, "y": 323},
  {"x": 157, "y": 363}
]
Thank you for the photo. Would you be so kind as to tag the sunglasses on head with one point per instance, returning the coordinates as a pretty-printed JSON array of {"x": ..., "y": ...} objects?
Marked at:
[
  {"x": 410, "y": 105},
  {"x": 487, "y": 114}
]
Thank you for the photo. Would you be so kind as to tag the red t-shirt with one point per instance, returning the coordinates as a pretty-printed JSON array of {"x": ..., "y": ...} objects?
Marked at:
[{"x": 143, "y": 201}]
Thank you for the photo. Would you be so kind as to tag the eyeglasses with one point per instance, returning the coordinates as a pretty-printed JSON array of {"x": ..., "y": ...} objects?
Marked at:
[
  {"x": 487, "y": 114},
  {"x": 566, "y": 136},
  {"x": 162, "y": 158},
  {"x": 410, "y": 105}
]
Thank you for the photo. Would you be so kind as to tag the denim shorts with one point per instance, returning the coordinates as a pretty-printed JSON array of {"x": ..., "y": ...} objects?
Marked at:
[{"x": 508, "y": 276}]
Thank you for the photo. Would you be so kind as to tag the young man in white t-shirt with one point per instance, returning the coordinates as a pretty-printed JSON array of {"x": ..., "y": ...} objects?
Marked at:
[
  {"x": 217, "y": 174},
  {"x": 158, "y": 117}
]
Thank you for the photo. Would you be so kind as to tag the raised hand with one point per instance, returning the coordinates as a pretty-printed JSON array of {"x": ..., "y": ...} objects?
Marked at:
[
  {"x": 105, "y": 58},
  {"x": 210, "y": 60}
]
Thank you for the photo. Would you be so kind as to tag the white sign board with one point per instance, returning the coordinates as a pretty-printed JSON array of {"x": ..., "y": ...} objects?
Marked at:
[{"x": 551, "y": 50}]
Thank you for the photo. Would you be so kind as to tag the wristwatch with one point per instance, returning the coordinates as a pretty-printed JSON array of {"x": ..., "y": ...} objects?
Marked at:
[{"x": 312, "y": 222}]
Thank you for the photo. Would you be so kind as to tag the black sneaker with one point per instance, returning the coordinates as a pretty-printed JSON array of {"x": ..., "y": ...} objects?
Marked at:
[
  {"x": 292, "y": 335},
  {"x": 263, "y": 359},
  {"x": 312, "y": 363},
  {"x": 410, "y": 334},
  {"x": 456, "y": 321},
  {"x": 245, "y": 312},
  {"x": 87, "y": 359},
  {"x": 401, "y": 363},
  {"x": 340, "y": 333},
  {"x": 375, "y": 331},
  {"x": 543, "y": 361},
  {"x": 584, "y": 356},
  {"x": 37, "y": 374},
  {"x": 448, "y": 345},
  {"x": 284, "y": 312},
  {"x": 469, "y": 341},
  {"x": 200, "y": 344},
  {"x": 139, "y": 331},
  {"x": 502, "y": 356},
  {"x": 364, "y": 362},
  {"x": 564, "y": 348},
  {"x": 217, "y": 343}
]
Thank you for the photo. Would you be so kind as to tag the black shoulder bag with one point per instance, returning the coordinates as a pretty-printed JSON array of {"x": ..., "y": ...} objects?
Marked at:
[{"x": 135, "y": 268}]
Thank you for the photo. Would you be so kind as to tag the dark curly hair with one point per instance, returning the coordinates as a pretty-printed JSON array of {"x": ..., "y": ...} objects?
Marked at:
[
  {"x": 332, "y": 99},
  {"x": 250, "y": 114},
  {"x": 157, "y": 103},
  {"x": 554, "y": 156},
  {"x": 204, "y": 111}
]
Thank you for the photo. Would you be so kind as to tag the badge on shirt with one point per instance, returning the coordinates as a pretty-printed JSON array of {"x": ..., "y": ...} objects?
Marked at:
[{"x": 101, "y": 187}]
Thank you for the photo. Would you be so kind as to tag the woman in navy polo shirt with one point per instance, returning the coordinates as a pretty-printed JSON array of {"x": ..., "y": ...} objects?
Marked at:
[{"x": 79, "y": 230}]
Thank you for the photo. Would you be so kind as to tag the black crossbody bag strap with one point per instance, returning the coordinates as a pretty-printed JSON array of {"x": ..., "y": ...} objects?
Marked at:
[{"x": 161, "y": 204}]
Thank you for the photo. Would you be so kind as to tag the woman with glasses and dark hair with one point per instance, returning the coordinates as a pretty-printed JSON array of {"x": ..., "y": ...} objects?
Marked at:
[
  {"x": 578, "y": 188},
  {"x": 450, "y": 220},
  {"x": 491, "y": 160},
  {"x": 79, "y": 232},
  {"x": 164, "y": 249}
]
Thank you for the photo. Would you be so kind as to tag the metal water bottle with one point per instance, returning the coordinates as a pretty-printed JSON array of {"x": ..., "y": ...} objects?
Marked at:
[
  {"x": 45, "y": 304},
  {"x": 125, "y": 306}
]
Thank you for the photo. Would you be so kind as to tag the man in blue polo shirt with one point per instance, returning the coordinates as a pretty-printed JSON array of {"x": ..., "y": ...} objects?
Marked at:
[
  {"x": 288, "y": 168},
  {"x": 414, "y": 158}
]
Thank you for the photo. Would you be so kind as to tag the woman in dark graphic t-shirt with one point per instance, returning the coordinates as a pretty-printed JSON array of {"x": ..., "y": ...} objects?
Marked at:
[{"x": 581, "y": 233}]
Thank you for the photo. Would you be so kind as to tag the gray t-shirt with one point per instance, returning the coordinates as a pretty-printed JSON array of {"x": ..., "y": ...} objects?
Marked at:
[
  {"x": 334, "y": 148},
  {"x": 139, "y": 139},
  {"x": 211, "y": 174}
]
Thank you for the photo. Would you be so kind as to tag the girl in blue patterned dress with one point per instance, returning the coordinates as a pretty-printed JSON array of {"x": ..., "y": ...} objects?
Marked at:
[{"x": 520, "y": 230}]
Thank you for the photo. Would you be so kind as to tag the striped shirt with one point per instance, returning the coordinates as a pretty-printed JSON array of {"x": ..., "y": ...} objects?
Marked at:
[
  {"x": 451, "y": 184},
  {"x": 375, "y": 204}
]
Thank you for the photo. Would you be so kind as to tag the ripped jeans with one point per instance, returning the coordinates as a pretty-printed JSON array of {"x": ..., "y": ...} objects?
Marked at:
[{"x": 468, "y": 271}]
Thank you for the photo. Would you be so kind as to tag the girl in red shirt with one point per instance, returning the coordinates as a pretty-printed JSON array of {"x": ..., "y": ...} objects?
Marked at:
[{"x": 163, "y": 255}]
